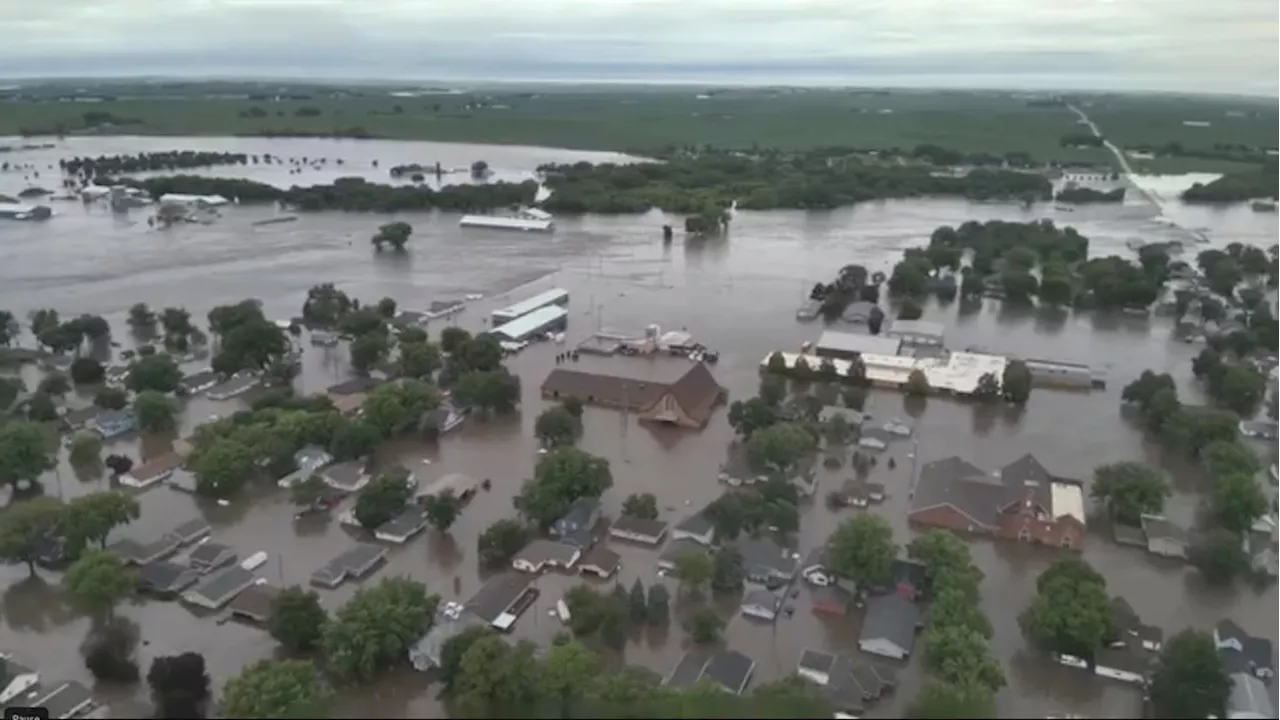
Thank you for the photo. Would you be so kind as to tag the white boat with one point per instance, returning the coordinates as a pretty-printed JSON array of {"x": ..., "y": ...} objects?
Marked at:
[
  {"x": 562, "y": 611},
  {"x": 499, "y": 222},
  {"x": 254, "y": 561}
]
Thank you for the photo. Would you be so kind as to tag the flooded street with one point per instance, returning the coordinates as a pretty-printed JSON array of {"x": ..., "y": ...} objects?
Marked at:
[{"x": 737, "y": 295}]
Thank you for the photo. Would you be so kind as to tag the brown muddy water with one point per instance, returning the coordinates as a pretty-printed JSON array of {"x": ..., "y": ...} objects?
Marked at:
[{"x": 737, "y": 295}]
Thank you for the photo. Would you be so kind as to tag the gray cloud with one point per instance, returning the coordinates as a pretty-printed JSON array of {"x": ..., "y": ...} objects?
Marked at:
[{"x": 1190, "y": 45}]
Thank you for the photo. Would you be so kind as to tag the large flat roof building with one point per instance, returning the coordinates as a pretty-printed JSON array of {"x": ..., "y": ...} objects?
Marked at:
[
  {"x": 555, "y": 296},
  {"x": 551, "y": 317},
  {"x": 842, "y": 345}
]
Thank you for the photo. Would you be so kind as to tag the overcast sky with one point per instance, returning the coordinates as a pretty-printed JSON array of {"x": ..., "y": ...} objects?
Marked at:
[{"x": 1180, "y": 45}]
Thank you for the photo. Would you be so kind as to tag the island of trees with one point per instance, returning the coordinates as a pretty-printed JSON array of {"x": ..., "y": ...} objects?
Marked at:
[
  {"x": 691, "y": 183},
  {"x": 89, "y": 167},
  {"x": 351, "y": 194},
  {"x": 1086, "y": 195},
  {"x": 1238, "y": 186}
]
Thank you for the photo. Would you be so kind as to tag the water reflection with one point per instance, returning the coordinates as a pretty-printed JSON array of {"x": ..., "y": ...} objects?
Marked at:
[{"x": 35, "y": 604}]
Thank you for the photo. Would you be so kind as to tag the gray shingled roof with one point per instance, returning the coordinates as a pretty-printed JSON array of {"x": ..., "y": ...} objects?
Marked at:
[
  {"x": 893, "y": 618},
  {"x": 730, "y": 669},
  {"x": 957, "y": 483}
]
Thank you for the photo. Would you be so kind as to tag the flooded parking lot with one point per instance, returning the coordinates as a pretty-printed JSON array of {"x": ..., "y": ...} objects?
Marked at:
[{"x": 737, "y": 295}]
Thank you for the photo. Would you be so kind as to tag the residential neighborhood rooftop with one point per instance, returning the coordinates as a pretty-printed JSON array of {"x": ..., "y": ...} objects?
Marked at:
[
  {"x": 498, "y": 594},
  {"x": 730, "y": 670}
]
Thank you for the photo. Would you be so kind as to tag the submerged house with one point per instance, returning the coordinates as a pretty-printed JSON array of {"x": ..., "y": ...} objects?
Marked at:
[{"x": 687, "y": 402}]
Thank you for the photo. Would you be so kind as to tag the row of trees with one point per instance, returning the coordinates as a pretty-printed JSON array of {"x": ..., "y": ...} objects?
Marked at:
[
  {"x": 1212, "y": 437},
  {"x": 88, "y": 167},
  {"x": 350, "y": 194},
  {"x": 963, "y": 677},
  {"x": 1237, "y": 186},
  {"x": 31, "y": 528},
  {"x": 689, "y": 183}
]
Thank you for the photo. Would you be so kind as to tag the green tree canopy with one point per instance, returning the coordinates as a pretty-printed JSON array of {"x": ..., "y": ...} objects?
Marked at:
[
  {"x": 561, "y": 477},
  {"x": 269, "y": 689},
  {"x": 378, "y": 626},
  {"x": 1190, "y": 679},
  {"x": 98, "y": 581},
  {"x": 26, "y": 526},
  {"x": 862, "y": 550},
  {"x": 1129, "y": 490},
  {"x": 297, "y": 619}
]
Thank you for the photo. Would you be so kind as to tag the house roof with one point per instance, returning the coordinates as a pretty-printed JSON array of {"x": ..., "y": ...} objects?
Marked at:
[
  {"x": 542, "y": 551},
  {"x": 142, "y": 552},
  {"x": 762, "y": 599},
  {"x": 65, "y": 699},
  {"x": 194, "y": 380},
  {"x": 165, "y": 576},
  {"x": 604, "y": 389},
  {"x": 156, "y": 466},
  {"x": 1127, "y": 659},
  {"x": 817, "y": 557},
  {"x": 603, "y": 558},
  {"x": 350, "y": 403},
  {"x": 832, "y": 340},
  {"x": 676, "y": 547},
  {"x": 640, "y": 526},
  {"x": 255, "y": 602},
  {"x": 346, "y": 474},
  {"x": 114, "y": 417},
  {"x": 687, "y": 670},
  {"x": 957, "y": 483},
  {"x": 354, "y": 385},
  {"x": 917, "y": 327},
  {"x": 220, "y": 586},
  {"x": 579, "y": 512},
  {"x": 696, "y": 524},
  {"x": 766, "y": 554},
  {"x": 410, "y": 520},
  {"x": 1157, "y": 527},
  {"x": 696, "y": 392},
  {"x": 191, "y": 530},
  {"x": 892, "y": 618},
  {"x": 360, "y": 558},
  {"x": 312, "y": 455},
  {"x": 495, "y": 596},
  {"x": 211, "y": 554},
  {"x": 816, "y": 661},
  {"x": 730, "y": 669},
  {"x": 1249, "y": 697},
  {"x": 1255, "y": 652}
]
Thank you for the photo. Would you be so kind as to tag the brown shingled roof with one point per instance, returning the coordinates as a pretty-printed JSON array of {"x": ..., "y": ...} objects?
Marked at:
[
  {"x": 697, "y": 392},
  {"x": 600, "y": 389}
]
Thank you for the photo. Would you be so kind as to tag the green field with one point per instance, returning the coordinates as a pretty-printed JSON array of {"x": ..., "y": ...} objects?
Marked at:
[{"x": 648, "y": 119}]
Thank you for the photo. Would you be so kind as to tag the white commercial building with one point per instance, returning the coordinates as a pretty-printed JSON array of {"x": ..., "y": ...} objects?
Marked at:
[{"x": 955, "y": 372}]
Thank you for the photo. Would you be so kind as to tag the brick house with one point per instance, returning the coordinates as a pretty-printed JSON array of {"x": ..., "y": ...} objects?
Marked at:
[{"x": 1023, "y": 502}]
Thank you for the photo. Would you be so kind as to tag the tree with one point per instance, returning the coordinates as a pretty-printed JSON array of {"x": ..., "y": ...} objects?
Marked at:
[
  {"x": 155, "y": 412},
  {"x": 10, "y": 388},
  {"x": 86, "y": 449},
  {"x": 24, "y": 453},
  {"x": 442, "y": 509},
  {"x": 955, "y": 607},
  {"x": 1015, "y": 382},
  {"x": 658, "y": 609},
  {"x": 790, "y": 697},
  {"x": 862, "y": 550},
  {"x": 387, "y": 307},
  {"x": 497, "y": 679},
  {"x": 378, "y": 626},
  {"x": 748, "y": 416},
  {"x": 363, "y": 321},
  {"x": 941, "y": 700},
  {"x": 694, "y": 568},
  {"x": 55, "y": 385},
  {"x": 418, "y": 360},
  {"x": 1071, "y": 612},
  {"x": 837, "y": 429},
  {"x": 988, "y": 389},
  {"x": 253, "y": 344},
  {"x": 109, "y": 652},
  {"x": 1190, "y": 679},
  {"x": 98, "y": 581},
  {"x": 917, "y": 385},
  {"x": 555, "y": 427},
  {"x": 776, "y": 364},
  {"x": 452, "y": 652},
  {"x": 41, "y": 408},
  {"x": 309, "y": 491},
  {"x": 726, "y": 570},
  {"x": 109, "y": 398},
  {"x": 1230, "y": 457},
  {"x": 368, "y": 350},
  {"x": 1219, "y": 556},
  {"x": 1129, "y": 490},
  {"x": 385, "y": 497},
  {"x": 179, "y": 685},
  {"x": 86, "y": 371},
  {"x": 773, "y": 390},
  {"x": 154, "y": 372},
  {"x": 704, "y": 626},
  {"x": 1237, "y": 501},
  {"x": 10, "y": 329},
  {"x": 91, "y": 518},
  {"x": 854, "y": 397},
  {"x": 567, "y": 673},
  {"x": 941, "y": 550},
  {"x": 1239, "y": 388},
  {"x": 501, "y": 541},
  {"x": 491, "y": 391},
  {"x": 638, "y": 602},
  {"x": 141, "y": 318},
  {"x": 297, "y": 619},
  {"x": 910, "y": 310},
  {"x": 354, "y": 439},
  {"x": 395, "y": 234},
  {"x": 394, "y": 407},
  {"x": 958, "y": 654},
  {"x": 780, "y": 446},
  {"x": 561, "y": 477},
  {"x": 453, "y": 338},
  {"x": 641, "y": 505},
  {"x": 269, "y": 689},
  {"x": 223, "y": 468}
]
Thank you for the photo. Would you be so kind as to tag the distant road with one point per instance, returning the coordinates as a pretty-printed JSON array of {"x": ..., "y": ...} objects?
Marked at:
[{"x": 1120, "y": 157}]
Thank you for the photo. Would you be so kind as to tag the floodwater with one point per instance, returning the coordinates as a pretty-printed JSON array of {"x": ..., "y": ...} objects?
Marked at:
[{"x": 737, "y": 295}]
